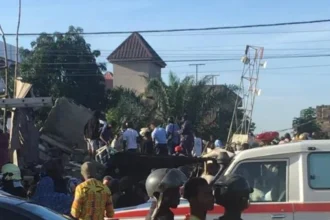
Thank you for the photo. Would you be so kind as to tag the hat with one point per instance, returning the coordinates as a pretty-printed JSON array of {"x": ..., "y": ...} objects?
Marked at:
[
  {"x": 11, "y": 172},
  {"x": 88, "y": 170}
]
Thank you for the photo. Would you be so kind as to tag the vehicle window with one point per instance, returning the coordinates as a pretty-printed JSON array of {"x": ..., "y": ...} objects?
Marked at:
[
  {"x": 317, "y": 177},
  {"x": 9, "y": 214},
  {"x": 43, "y": 212},
  {"x": 268, "y": 179}
]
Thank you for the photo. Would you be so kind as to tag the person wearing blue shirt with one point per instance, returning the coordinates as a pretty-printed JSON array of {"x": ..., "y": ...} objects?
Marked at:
[
  {"x": 159, "y": 138},
  {"x": 172, "y": 134}
]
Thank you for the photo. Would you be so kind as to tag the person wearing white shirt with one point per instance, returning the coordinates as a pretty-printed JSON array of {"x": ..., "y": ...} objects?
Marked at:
[
  {"x": 197, "y": 149},
  {"x": 130, "y": 137}
]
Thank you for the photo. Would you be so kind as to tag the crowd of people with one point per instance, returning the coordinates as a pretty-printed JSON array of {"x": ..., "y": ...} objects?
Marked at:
[
  {"x": 91, "y": 198},
  {"x": 171, "y": 139},
  {"x": 88, "y": 197}
]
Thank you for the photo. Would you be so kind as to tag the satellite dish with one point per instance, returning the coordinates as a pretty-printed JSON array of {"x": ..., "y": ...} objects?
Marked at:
[
  {"x": 263, "y": 64},
  {"x": 245, "y": 60}
]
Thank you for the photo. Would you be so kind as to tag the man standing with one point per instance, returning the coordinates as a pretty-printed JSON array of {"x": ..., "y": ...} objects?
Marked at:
[
  {"x": 198, "y": 145},
  {"x": 92, "y": 134},
  {"x": 187, "y": 139},
  {"x": 106, "y": 135},
  {"x": 92, "y": 200},
  {"x": 130, "y": 138},
  {"x": 172, "y": 134},
  {"x": 159, "y": 138}
]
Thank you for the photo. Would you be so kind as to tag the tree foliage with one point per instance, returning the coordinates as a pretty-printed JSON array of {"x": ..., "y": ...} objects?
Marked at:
[
  {"x": 306, "y": 122},
  {"x": 64, "y": 65},
  {"x": 209, "y": 108},
  {"x": 125, "y": 106}
]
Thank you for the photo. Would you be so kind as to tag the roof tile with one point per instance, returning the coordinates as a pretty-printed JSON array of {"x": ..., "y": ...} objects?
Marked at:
[{"x": 135, "y": 48}]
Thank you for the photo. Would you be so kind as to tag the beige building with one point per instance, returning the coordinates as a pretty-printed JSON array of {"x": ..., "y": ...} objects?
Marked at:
[
  {"x": 323, "y": 117},
  {"x": 134, "y": 62}
]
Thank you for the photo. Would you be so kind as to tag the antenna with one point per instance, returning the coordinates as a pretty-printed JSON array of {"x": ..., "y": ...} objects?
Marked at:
[{"x": 252, "y": 61}]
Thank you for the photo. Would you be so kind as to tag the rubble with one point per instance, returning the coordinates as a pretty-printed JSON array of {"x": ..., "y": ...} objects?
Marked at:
[{"x": 62, "y": 136}]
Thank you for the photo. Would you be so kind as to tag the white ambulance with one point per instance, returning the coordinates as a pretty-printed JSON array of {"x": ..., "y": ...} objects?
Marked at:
[{"x": 290, "y": 181}]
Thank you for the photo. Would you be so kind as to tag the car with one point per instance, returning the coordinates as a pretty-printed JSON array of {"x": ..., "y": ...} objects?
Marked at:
[{"x": 14, "y": 208}]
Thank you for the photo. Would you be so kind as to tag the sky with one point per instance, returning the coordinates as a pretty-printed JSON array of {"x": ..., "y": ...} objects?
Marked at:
[{"x": 284, "y": 91}]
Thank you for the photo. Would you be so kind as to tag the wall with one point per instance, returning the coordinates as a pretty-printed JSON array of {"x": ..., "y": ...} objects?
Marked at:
[
  {"x": 133, "y": 74},
  {"x": 323, "y": 117}
]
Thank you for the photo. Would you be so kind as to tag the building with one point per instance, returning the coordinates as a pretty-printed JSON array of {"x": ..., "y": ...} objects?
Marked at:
[
  {"x": 11, "y": 53},
  {"x": 108, "y": 80},
  {"x": 134, "y": 62},
  {"x": 323, "y": 117}
]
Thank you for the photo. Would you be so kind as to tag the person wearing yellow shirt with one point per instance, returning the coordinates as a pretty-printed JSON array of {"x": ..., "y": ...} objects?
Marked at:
[{"x": 93, "y": 200}]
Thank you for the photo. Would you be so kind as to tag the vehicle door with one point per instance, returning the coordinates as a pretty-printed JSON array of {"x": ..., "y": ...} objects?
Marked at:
[
  {"x": 6, "y": 214},
  {"x": 317, "y": 191},
  {"x": 269, "y": 179}
]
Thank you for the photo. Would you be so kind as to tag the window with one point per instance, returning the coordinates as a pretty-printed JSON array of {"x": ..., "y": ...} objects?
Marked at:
[
  {"x": 268, "y": 179},
  {"x": 8, "y": 214},
  {"x": 318, "y": 178}
]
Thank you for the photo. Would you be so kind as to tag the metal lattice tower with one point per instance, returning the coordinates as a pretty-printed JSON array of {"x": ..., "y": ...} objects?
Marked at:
[{"x": 252, "y": 60}]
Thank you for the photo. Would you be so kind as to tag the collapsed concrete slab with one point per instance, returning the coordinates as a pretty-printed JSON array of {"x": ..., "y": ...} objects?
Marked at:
[{"x": 66, "y": 122}]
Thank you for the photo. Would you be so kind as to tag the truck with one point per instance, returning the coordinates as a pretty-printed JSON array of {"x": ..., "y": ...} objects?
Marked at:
[{"x": 290, "y": 181}]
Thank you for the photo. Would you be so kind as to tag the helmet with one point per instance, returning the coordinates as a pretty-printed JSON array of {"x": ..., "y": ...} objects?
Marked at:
[
  {"x": 11, "y": 172},
  {"x": 231, "y": 186},
  {"x": 162, "y": 179}
]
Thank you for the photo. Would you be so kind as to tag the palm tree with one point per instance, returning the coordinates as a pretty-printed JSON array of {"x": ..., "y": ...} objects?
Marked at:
[{"x": 202, "y": 102}]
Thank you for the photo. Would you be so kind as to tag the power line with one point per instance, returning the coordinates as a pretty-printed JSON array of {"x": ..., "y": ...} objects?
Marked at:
[
  {"x": 222, "y": 71},
  {"x": 297, "y": 126},
  {"x": 185, "y": 29},
  {"x": 204, "y": 60}
]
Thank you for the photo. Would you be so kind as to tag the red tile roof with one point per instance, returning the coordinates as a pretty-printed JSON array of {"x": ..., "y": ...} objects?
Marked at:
[
  {"x": 108, "y": 78},
  {"x": 108, "y": 75},
  {"x": 135, "y": 48}
]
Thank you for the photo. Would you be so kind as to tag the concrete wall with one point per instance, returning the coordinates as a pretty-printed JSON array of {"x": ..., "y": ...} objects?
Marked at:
[
  {"x": 323, "y": 117},
  {"x": 133, "y": 75}
]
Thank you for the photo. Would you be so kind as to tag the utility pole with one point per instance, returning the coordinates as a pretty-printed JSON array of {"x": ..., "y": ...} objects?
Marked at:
[
  {"x": 197, "y": 65},
  {"x": 213, "y": 78}
]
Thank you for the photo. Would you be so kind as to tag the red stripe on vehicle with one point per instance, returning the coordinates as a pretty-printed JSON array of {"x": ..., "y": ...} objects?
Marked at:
[
  {"x": 254, "y": 208},
  {"x": 312, "y": 207}
]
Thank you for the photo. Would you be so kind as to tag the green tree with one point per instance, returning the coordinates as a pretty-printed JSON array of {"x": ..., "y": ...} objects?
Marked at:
[
  {"x": 124, "y": 105},
  {"x": 208, "y": 107},
  {"x": 306, "y": 122},
  {"x": 64, "y": 65}
]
